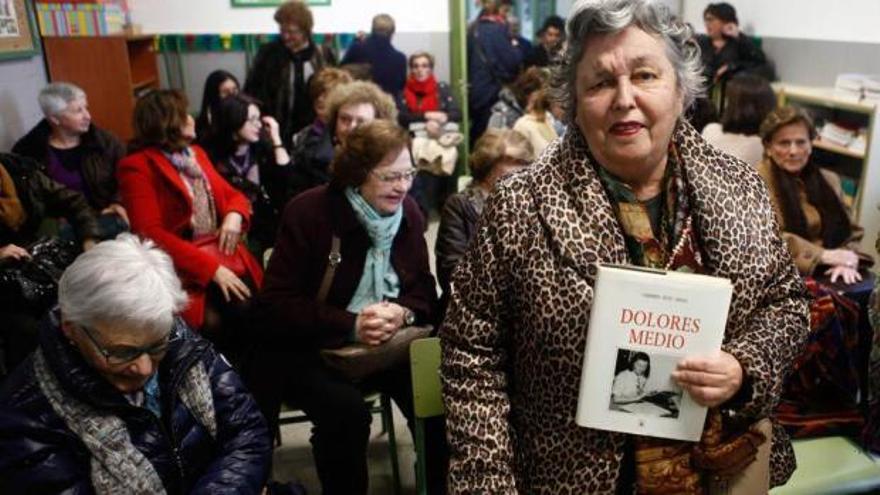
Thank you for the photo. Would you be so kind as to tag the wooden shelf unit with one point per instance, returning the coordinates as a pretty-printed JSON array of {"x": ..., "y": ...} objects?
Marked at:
[
  {"x": 862, "y": 168},
  {"x": 110, "y": 69}
]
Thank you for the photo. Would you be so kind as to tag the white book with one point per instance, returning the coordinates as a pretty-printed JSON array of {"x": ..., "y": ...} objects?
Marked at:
[{"x": 642, "y": 323}]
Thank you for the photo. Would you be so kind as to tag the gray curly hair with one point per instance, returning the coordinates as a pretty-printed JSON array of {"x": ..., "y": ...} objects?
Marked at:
[{"x": 590, "y": 17}]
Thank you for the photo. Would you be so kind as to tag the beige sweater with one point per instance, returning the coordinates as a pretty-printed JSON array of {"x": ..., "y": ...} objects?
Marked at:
[{"x": 540, "y": 134}]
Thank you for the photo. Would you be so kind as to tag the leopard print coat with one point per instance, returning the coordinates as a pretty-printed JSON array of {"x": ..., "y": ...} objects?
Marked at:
[{"x": 514, "y": 337}]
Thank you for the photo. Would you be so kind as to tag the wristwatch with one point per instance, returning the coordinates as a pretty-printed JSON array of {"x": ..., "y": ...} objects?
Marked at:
[{"x": 409, "y": 318}]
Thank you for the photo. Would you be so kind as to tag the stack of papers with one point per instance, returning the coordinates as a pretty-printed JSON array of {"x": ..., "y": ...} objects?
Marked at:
[
  {"x": 849, "y": 85},
  {"x": 858, "y": 86},
  {"x": 872, "y": 88},
  {"x": 836, "y": 134}
]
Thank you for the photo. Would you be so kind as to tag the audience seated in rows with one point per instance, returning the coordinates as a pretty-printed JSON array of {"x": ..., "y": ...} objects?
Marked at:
[
  {"x": 218, "y": 85},
  {"x": 76, "y": 153},
  {"x": 498, "y": 153},
  {"x": 27, "y": 197},
  {"x": 282, "y": 69},
  {"x": 808, "y": 201},
  {"x": 382, "y": 284},
  {"x": 493, "y": 61},
  {"x": 121, "y": 398},
  {"x": 176, "y": 198},
  {"x": 348, "y": 106},
  {"x": 246, "y": 149},
  {"x": 387, "y": 65},
  {"x": 429, "y": 110},
  {"x": 749, "y": 99}
]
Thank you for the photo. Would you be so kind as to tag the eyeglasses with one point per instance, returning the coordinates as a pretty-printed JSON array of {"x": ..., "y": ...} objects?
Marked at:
[
  {"x": 391, "y": 177},
  {"x": 421, "y": 66},
  {"x": 255, "y": 121},
  {"x": 125, "y": 354}
]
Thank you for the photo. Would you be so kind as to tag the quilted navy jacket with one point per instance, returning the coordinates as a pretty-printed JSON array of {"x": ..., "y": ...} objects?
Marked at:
[{"x": 39, "y": 454}]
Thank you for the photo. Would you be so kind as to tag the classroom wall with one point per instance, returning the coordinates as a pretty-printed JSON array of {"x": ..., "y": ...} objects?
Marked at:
[
  {"x": 809, "y": 41},
  {"x": 20, "y": 82},
  {"x": 420, "y": 26},
  {"x": 853, "y": 21},
  {"x": 343, "y": 16}
]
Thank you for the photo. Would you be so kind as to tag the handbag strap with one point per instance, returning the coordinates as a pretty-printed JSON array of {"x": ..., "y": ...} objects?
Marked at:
[{"x": 333, "y": 261}]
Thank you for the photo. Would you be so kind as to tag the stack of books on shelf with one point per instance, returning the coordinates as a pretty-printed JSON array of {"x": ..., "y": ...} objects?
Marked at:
[
  {"x": 82, "y": 17},
  {"x": 844, "y": 135},
  {"x": 858, "y": 87},
  {"x": 872, "y": 89},
  {"x": 849, "y": 86},
  {"x": 838, "y": 134}
]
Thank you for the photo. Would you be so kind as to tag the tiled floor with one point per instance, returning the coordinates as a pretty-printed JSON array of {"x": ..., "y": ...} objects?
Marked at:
[{"x": 293, "y": 459}]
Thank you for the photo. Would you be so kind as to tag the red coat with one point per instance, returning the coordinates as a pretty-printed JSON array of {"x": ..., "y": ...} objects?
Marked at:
[{"x": 159, "y": 206}]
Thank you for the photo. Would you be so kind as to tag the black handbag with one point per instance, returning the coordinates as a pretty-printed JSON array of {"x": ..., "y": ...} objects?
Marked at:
[{"x": 32, "y": 284}]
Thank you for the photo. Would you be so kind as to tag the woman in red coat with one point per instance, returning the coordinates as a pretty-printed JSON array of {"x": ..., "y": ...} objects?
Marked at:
[{"x": 174, "y": 196}]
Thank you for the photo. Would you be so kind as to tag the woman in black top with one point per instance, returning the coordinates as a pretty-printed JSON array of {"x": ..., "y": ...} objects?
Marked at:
[
  {"x": 247, "y": 151},
  {"x": 218, "y": 86}
]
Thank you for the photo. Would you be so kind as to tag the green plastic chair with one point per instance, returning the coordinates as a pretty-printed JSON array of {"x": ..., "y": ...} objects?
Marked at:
[
  {"x": 830, "y": 465},
  {"x": 424, "y": 361}
]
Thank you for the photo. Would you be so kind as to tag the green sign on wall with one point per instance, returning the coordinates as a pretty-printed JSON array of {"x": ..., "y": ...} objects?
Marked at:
[{"x": 273, "y": 3}]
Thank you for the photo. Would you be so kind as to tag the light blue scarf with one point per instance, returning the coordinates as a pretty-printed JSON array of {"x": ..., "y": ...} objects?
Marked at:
[{"x": 379, "y": 281}]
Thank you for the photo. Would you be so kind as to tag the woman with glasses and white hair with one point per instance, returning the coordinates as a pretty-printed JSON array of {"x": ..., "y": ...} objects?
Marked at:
[
  {"x": 382, "y": 282},
  {"x": 631, "y": 182},
  {"x": 121, "y": 398}
]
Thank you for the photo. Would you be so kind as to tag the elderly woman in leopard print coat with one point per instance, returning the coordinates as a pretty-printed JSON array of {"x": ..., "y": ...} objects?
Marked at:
[{"x": 630, "y": 183}]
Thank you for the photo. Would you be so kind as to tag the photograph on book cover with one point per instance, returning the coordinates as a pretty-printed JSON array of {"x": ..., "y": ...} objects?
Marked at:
[
  {"x": 642, "y": 384},
  {"x": 16, "y": 30}
]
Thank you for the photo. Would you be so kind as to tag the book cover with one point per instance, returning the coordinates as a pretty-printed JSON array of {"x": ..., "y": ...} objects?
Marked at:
[{"x": 642, "y": 323}]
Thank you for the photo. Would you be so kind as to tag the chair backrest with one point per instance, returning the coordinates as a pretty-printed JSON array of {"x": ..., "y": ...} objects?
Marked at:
[{"x": 424, "y": 361}]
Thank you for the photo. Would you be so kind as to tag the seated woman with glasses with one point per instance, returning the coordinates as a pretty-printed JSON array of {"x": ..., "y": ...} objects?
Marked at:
[
  {"x": 121, "y": 398},
  {"x": 245, "y": 147},
  {"x": 382, "y": 283},
  {"x": 498, "y": 153}
]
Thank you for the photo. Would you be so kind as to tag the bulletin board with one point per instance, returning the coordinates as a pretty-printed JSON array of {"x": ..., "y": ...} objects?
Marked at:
[
  {"x": 16, "y": 30},
  {"x": 270, "y": 3}
]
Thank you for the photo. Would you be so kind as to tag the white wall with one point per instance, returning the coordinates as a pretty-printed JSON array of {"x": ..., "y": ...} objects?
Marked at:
[
  {"x": 849, "y": 20},
  {"x": 563, "y": 7},
  {"x": 342, "y": 16},
  {"x": 20, "y": 82}
]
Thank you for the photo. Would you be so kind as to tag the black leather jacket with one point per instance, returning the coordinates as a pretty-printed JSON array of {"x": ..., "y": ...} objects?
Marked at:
[
  {"x": 458, "y": 226},
  {"x": 102, "y": 151},
  {"x": 42, "y": 197}
]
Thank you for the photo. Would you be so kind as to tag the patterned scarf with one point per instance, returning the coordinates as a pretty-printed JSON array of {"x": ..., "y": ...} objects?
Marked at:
[
  {"x": 379, "y": 280},
  {"x": 117, "y": 466},
  {"x": 673, "y": 246},
  {"x": 204, "y": 219},
  {"x": 12, "y": 213},
  {"x": 421, "y": 96}
]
